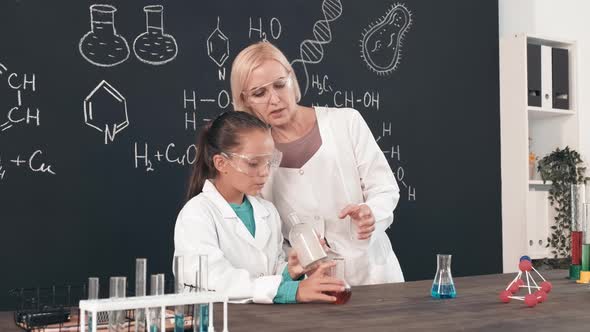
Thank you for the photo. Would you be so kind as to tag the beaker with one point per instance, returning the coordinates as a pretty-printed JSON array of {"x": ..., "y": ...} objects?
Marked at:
[
  {"x": 102, "y": 46},
  {"x": 338, "y": 271},
  {"x": 443, "y": 286},
  {"x": 140, "y": 290},
  {"x": 305, "y": 241},
  {"x": 154, "y": 46}
]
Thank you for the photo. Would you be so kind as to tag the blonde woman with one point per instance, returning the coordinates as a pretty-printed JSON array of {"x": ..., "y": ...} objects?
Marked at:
[{"x": 332, "y": 172}]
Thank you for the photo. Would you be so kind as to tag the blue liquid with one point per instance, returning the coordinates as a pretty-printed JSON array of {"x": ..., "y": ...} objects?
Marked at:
[
  {"x": 445, "y": 291},
  {"x": 179, "y": 323},
  {"x": 204, "y": 315}
]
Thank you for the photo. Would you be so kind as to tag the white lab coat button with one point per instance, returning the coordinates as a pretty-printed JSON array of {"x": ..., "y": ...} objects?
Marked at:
[{"x": 301, "y": 172}]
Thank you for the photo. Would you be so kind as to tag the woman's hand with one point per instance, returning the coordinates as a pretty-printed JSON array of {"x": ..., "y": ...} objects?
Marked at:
[
  {"x": 314, "y": 287},
  {"x": 362, "y": 216}
]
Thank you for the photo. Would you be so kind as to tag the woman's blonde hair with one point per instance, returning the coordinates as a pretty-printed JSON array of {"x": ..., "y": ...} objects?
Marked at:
[{"x": 250, "y": 58}]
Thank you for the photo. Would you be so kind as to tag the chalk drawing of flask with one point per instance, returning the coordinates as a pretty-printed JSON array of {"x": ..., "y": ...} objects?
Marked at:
[
  {"x": 102, "y": 46},
  {"x": 154, "y": 46}
]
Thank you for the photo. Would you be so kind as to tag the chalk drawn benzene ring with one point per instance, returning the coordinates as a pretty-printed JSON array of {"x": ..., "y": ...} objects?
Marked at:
[
  {"x": 218, "y": 46},
  {"x": 117, "y": 125}
]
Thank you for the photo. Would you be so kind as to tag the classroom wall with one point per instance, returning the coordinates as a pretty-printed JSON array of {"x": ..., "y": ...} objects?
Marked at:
[{"x": 564, "y": 19}]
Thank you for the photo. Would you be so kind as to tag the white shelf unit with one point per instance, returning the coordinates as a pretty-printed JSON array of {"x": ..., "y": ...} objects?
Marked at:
[
  {"x": 538, "y": 113},
  {"x": 526, "y": 213}
]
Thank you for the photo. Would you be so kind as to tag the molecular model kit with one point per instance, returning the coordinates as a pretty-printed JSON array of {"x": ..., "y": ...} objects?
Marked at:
[{"x": 536, "y": 293}]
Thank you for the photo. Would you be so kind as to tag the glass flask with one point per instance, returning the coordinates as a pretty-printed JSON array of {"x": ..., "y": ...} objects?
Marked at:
[
  {"x": 154, "y": 46},
  {"x": 337, "y": 271},
  {"x": 305, "y": 242},
  {"x": 102, "y": 46},
  {"x": 443, "y": 286}
]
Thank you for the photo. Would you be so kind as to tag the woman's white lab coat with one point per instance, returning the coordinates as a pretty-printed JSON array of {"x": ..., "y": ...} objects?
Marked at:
[
  {"x": 348, "y": 168},
  {"x": 240, "y": 265}
]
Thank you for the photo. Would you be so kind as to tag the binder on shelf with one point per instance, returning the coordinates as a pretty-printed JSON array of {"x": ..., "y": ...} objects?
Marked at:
[
  {"x": 560, "y": 84},
  {"x": 534, "y": 74}
]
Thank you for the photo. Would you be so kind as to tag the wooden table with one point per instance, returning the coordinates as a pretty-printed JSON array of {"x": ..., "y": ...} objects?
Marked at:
[{"x": 408, "y": 306}]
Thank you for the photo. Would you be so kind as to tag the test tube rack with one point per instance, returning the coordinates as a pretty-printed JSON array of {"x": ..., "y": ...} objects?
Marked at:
[{"x": 153, "y": 301}]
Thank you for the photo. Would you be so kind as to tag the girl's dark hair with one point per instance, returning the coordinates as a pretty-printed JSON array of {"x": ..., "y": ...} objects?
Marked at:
[{"x": 221, "y": 134}]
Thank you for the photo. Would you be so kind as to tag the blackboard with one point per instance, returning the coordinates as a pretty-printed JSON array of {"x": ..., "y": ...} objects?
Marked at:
[{"x": 95, "y": 144}]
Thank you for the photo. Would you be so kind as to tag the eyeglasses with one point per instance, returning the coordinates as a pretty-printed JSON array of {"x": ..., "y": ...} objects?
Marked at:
[
  {"x": 262, "y": 94},
  {"x": 253, "y": 165}
]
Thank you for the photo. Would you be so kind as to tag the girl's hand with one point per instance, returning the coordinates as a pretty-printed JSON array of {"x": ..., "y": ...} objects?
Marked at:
[
  {"x": 293, "y": 265},
  {"x": 313, "y": 288}
]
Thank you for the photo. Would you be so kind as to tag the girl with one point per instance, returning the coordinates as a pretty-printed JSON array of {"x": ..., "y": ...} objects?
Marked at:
[{"x": 238, "y": 231}]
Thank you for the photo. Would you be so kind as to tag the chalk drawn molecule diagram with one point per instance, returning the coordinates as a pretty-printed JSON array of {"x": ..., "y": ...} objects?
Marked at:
[
  {"x": 19, "y": 114},
  {"x": 218, "y": 46},
  {"x": 311, "y": 50},
  {"x": 381, "y": 43},
  {"x": 105, "y": 109}
]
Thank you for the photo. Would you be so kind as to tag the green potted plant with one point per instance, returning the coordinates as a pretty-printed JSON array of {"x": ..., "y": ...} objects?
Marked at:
[{"x": 563, "y": 168}]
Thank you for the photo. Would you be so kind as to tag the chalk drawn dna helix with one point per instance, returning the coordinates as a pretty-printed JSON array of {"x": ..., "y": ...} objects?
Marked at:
[
  {"x": 381, "y": 44},
  {"x": 312, "y": 51}
]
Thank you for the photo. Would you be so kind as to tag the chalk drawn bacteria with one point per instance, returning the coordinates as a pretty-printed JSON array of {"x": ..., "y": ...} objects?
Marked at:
[{"x": 381, "y": 44}]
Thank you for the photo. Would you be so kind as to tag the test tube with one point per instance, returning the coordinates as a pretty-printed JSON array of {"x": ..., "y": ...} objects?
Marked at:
[
  {"x": 203, "y": 273},
  {"x": 586, "y": 240},
  {"x": 93, "y": 284},
  {"x": 201, "y": 311},
  {"x": 577, "y": 227},
  {"x": 178, "y": 288},
  {"x": 117, "y": 289},
  {"x": 140, "y": 290},
  {"x": 586, "y": 223},
  {"x": 156, "y": 288}
]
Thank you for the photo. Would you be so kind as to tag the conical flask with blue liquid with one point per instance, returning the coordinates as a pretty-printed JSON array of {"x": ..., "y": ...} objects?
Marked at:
[{"x": 443, "y": 286}]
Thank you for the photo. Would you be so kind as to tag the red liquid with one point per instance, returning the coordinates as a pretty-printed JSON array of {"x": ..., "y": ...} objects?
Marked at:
[
  {"x": 576, "y": 247},
  {"x": 341, "y": 297}
]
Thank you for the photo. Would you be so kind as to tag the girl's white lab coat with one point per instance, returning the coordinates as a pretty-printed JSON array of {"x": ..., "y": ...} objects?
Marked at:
[
  {"x": 240, "y": 265},
  {"x": 348, "y": 168}
]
